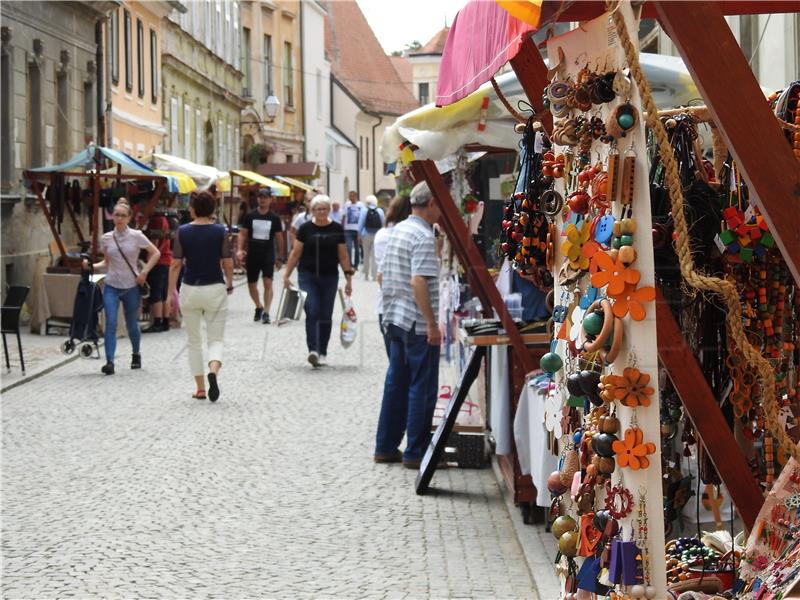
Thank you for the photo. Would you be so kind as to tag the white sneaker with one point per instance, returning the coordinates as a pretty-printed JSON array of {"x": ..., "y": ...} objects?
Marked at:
[
  {"x": 313, "y": 358},
  {"x": 323, "y": 360}
]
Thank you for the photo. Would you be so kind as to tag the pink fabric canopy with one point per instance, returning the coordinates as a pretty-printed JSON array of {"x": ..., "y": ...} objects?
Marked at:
[{"x": 482, "y": 39}]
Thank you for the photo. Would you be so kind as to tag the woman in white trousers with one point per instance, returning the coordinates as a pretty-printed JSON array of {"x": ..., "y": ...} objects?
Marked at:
[{"x": 202, "y": 248}]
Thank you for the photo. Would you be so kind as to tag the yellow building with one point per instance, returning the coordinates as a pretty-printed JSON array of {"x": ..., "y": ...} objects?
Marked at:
[{"x": 134, "y": 54}]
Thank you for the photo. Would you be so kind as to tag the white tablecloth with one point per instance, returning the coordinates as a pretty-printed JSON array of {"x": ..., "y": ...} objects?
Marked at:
[{"x": 530, "y": 434}]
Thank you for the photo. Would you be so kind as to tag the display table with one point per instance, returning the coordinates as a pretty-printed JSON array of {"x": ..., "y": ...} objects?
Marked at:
[
  {"x": 53, "y": 298},
  {"x": 508, "y": 374}
]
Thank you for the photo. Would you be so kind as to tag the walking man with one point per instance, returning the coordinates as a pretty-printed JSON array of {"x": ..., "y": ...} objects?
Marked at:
[
  {"x": 410, "y": 280},
  {"x": 352, "y": 216},
  {"x": 371, "y": 222},
  {"x": 257, "y": 234}
]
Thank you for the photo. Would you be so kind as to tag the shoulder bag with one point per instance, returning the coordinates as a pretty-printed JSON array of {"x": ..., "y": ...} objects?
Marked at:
[{"x": 144, "y": 288}]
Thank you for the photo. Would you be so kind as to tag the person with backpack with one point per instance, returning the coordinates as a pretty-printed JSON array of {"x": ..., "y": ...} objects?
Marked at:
[
  {"x": 350, "y": 222},
  {"x": 370, "y": 222}
]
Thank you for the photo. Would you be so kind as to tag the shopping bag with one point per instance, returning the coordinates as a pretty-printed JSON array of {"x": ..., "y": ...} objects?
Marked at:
[{"x": 348, "y": 328}]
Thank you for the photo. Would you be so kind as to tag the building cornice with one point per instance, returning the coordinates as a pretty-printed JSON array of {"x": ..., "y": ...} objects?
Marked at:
[
  {"x": 126, "y": 117},
  {"x": 47, "y": 28}
]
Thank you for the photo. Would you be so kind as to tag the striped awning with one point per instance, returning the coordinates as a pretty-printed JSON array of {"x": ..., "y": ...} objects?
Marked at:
[{"x": 295, "y": 183}]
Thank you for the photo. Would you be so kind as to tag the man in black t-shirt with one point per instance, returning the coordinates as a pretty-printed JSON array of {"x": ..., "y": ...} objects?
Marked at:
[{"x": 258, "y": 231}]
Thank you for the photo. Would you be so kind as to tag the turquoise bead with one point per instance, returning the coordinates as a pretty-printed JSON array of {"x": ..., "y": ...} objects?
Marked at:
[
  {"x": 625, "y": 120},
  {"x": 551, "y": 362},
  {"x": 593, "y": 323}
]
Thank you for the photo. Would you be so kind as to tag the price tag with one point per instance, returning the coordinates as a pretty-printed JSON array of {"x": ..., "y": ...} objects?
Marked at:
[{"x": 720, "y": 246}]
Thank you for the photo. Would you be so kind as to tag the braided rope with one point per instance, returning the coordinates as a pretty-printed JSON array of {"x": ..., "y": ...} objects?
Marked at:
[
  {"x": 506, "y": 103},
  {"x": 723, "y": 287}
]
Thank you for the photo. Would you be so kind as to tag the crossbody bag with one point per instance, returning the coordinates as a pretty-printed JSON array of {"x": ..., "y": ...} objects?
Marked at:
[{"x": 144, "y": 288}]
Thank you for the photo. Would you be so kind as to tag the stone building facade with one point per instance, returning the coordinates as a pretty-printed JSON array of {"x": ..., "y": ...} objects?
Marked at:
[
  {"x": 202, "y": 83},
  {"x": 48, "y": 83}
]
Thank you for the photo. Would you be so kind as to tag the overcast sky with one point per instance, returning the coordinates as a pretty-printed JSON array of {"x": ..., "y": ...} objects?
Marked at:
[{"x": 399, "y": 23}]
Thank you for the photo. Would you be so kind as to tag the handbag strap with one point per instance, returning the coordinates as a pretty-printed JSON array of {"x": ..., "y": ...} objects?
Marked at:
[{"x": 135, "y": 274}]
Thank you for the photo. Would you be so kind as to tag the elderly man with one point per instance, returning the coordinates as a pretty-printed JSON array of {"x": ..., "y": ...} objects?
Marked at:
[
  {"x": 258, "y": 231},
  {"x": 410, "y": 276}
]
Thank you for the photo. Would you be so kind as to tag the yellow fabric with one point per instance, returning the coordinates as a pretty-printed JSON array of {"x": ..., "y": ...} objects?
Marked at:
[
  {"x": 224, "y": 183},
  {"x": 294, "y": 182},
  {"x": 278, "y": 189},
  {"x": 527, "y": 11},
  {"x": 185, "y": 183}
]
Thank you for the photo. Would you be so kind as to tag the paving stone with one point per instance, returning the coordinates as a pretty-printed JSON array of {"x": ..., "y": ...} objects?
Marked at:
[{"x": 125, "y": 486}]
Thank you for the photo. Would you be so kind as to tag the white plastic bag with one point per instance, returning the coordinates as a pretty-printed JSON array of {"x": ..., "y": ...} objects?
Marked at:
[{"x": 349, "y": 326}]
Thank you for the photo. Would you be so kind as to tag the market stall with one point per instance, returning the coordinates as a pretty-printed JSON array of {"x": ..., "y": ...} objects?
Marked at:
[{"x": 611, "y": 436}]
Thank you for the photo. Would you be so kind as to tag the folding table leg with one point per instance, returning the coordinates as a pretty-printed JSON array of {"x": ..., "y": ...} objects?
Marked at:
[
  {"x": 19, "y": 345},
  {"x": 5, "y": 349}
]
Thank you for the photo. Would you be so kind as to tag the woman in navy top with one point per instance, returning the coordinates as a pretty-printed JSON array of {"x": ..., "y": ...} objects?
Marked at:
[{"x": 202, "y": 248}]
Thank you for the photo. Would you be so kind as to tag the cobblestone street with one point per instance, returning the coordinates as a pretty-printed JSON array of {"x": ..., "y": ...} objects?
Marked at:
[{"x": 125, "y": 486}]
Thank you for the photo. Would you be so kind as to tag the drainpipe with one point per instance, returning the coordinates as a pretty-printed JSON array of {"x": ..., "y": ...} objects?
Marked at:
[{"x": 374, "y": 167}]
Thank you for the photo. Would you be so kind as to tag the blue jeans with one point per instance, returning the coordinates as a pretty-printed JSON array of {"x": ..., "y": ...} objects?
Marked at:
[
  {"x": 409, "y": 394},
  {"x": 353, "y": 248},
  {"x": 321, "y": 290},
  {"x": 130, "y": 304}
]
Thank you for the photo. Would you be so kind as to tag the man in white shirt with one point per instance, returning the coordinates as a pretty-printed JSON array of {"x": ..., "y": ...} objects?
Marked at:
[
  {"x": 337, "y": 214},
  {"x": 352, "y": 217}
]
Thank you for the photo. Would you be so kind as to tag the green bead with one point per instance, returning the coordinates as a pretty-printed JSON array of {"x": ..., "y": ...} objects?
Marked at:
[
  {"x": 616, "y": 244},
  {"x": 551, "y": 362},
  {"x": 625, "y": 120},
  {"x": 626, "y": 240},
  {"x": 593, "y": 323}
]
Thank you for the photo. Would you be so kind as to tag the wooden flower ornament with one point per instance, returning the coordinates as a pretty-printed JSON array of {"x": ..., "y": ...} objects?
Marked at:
[
  {"x": 632, "y": 300},
  {"x": 632, "y": 450},
  {"x": 612, "y": 273},
  {"x": 631, "y": 388},
  {"x": 572, "y": 248}
]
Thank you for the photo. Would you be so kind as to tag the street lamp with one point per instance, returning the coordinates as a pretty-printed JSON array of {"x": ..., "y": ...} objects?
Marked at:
[{"x": 271, "y": 106}]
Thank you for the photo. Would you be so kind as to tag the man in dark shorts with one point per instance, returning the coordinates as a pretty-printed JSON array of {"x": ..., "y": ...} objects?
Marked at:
[{"x": 258, "y": 231}]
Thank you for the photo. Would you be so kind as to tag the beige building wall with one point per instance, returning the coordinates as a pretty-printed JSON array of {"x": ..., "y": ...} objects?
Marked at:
[
  {"x": 133, "y": 39},
  {"x": 272, "y": 66}
]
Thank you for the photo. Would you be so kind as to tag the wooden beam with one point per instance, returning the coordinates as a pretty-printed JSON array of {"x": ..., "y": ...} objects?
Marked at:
[
  {"x": 531, "y": 71},
  {"x": 472, "y": 261},
  {"x": 589, "y": 9},
  {"x": 37, "y": 188},
  {"x": 74, "y": 220},
  {"x": 742, "y": 115},
  {"x": 704, "y": 412}
]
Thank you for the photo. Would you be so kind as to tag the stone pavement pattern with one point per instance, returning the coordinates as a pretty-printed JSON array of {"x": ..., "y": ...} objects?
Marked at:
[{"x": 124, "y": 486}]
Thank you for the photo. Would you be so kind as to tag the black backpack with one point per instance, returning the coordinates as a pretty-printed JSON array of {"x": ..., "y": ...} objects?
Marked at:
[{"x": 372, "y": 222}]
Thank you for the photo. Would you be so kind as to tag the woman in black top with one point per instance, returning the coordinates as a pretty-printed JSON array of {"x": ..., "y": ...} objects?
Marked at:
[
  {"x": 318, "y": 251},
  {"x": 203, "y": 246}
]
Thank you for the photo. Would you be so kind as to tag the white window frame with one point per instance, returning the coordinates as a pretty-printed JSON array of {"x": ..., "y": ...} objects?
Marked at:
[
  {"x": 198, "y": 135},
  {"x": 187, "y": 131},
  {"x": 173, "y": 125}
]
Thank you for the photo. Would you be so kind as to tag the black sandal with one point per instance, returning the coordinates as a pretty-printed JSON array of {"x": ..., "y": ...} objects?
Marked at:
[{"x": 213, "y": 388}]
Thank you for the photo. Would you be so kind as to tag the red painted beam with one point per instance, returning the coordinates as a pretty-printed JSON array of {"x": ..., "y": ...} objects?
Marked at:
[
  {"x": 531, "y": 71},
  {"x": 480, "y": 280},
  {"x": 584, "y": 10},
  {"x": 742, "y": 115},
  {"x": 704, "y": 412}
]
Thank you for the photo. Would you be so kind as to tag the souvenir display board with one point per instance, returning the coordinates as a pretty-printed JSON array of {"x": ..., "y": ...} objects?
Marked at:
[{"x": 588, "y": 188}]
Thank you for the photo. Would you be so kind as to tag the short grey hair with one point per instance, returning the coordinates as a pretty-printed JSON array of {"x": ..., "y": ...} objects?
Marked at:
[
  {"x": 421, "y": 194},
  {"x": 319, "y": 199}
]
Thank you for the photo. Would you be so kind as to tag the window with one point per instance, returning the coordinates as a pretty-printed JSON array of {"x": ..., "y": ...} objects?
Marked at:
[
  {"x": 267, "y": 66},
  {"x": 113, "y": 43},
  {"x": 219, "y": 33},
  {"x": 366, "y": 154},
  {"x": 198, "y": 135},
  {"x": 319, "y": 95},
  {"x": 221, "y": 158},
  {"x": 88, "y": 110},
  {"x": 289, "y": 159},
  {"x": 423, "y": 93},
  {"x": 6, "y": 129},
  {"x": 231, "y": 148},
  {"x": 153, "y": 67},
  {"x": 288, "y": 75},
  {"x": 173, "y": 123},
  {"x": 128, "y": 57},
  {"x": 140, "y": 57},
  {"x": 35, "y": 141},
  {"x": 246, "y": 54},
  {"x": 187, "y": 130},
  {"x": 62, "y": 114},
  {"x": 360, "y": 152}
]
